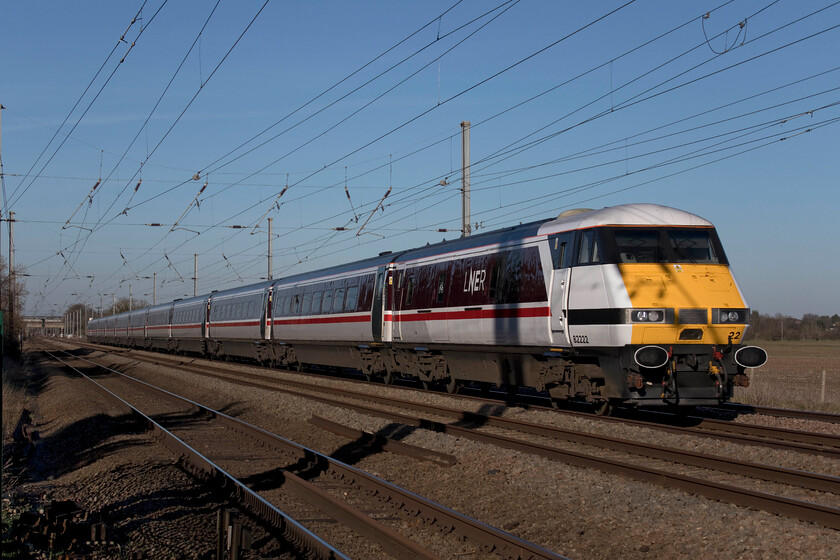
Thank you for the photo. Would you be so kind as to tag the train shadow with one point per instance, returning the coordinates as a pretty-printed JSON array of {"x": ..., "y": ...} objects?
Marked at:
[
  {"x": 311, "y": 466},
  {"x": 82, "y": 443},
  {"x": 354, "y": 452}
]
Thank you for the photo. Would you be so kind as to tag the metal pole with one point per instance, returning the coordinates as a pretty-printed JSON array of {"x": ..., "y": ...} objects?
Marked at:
[
  {"x": 465, "y": 178},
  {"x": 195, "y": 274},
  {"x": 12, "y": 277},
  {"x": 129, "y": 297},
  {"x": 115, "y": 303},
  {"x": 270, "y": 276},
  {"x": 154, "y": 288}
]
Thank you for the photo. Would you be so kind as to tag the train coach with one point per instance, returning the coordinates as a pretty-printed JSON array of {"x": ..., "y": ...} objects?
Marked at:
[{"x": 632, "y": 304}]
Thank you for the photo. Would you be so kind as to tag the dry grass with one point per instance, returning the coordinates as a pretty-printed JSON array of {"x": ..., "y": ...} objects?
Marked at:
[
  {"x": 802, "y": 374},
  {"x": 14, "y": 396}
]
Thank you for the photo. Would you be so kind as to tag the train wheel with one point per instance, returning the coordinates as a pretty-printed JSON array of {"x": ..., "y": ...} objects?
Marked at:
[
  {"x": 603, "y": 407},
  {"x": 452, "y": 385}
]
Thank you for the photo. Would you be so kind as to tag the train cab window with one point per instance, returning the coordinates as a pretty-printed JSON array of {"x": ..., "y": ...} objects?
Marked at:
[
  {"x": 326, "y": 306},
  {"x": 338, "y": 301},
  {"x": 589, "y": 251},
  {"x": 638, "y": 245},
  {"x": 409, "y": 290},
  {"x": 693, "y": 246},
  {"x": 352, "y": 298},
  {"x": 441, "y": 286}
]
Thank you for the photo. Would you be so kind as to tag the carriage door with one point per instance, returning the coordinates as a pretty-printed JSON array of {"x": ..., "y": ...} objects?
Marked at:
[
  {"x": 205, "y": 323},
  {"x": 265, "y": 319},
  {"x": 561, "y": 276},
  {"x": 376, "y": 311},
  {"x": 396, "y": 302}
]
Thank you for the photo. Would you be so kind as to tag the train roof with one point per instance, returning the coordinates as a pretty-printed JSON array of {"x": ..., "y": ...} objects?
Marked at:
[{"x": 641, "y": 214}]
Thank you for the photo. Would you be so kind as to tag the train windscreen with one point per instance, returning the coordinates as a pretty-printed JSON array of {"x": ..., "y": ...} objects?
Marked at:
[{"x": 667, "y": 245}]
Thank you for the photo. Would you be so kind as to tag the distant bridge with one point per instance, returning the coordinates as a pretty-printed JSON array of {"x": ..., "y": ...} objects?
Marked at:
[{"x": 44, "y": 326}]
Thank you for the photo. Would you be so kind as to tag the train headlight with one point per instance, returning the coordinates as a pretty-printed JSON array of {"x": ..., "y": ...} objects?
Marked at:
[
  {"x": 647, "y": 315},
  {"x": 731, "y": 316}
]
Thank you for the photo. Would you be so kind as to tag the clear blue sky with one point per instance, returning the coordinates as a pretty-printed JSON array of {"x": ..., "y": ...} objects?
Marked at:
[{"x": 734, "y": 123}]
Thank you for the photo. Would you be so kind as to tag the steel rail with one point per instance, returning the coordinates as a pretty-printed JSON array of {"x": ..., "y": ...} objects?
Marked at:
[
  {"x": 767, "y": 436},
  {"x": 783, "y": 434},
  {"x": 815, "y": 415},
  {"x": 207, "y": 369},
  {"x": 486, "y": 536},
  {"x": 806, "y": 511},
  {"x": 291, "y": 530}
]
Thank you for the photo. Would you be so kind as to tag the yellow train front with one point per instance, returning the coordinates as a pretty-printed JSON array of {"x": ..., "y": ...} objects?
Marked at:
[{"x": 645, "y": 293}]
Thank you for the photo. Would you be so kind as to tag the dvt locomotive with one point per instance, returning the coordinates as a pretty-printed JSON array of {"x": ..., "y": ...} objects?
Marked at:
[{"x": 632, "y": 304}]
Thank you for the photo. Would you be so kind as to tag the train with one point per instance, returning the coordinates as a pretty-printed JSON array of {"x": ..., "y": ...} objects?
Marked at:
[{"x": 631, "y": 305}]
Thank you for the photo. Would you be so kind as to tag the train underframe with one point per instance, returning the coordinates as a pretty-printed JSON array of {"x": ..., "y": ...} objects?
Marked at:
[{"x": 692, "y": 375}]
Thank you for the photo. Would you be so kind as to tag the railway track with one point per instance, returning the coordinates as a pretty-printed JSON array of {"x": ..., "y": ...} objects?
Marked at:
[
  {"x": 766, "y": 436},
  {"x": 318, "y": 480},
  {"x": 739, "y": 408},
  {"x": 466, "y": 424}
]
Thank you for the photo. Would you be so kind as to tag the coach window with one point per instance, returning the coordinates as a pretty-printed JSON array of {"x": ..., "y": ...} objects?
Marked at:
[
  {"x": 352, "y": 298},
  {"x": 441, "y": 286},
  {"x": 409, "y": 291},
  {"x": 316, "y": 302},
  {"x": 296, "y": 304},
  {"x": 326, "y": 306},
  {"x": 307, "y": 304},
  {"x": 338, "y": 302}
]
